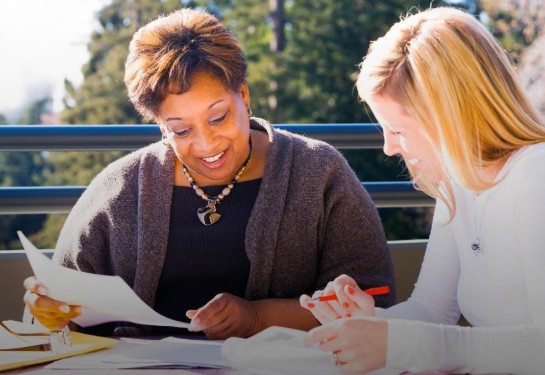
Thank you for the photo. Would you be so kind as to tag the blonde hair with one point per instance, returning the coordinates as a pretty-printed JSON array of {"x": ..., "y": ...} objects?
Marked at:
[
  {"x": 450, "y": 74},
  {"x": 165, "y": 54}
]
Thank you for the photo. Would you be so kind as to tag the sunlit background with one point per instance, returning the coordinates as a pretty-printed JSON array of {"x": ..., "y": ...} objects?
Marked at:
[
  {"x": 302, "y": 67},
  {"x": 42, "y": 42}
]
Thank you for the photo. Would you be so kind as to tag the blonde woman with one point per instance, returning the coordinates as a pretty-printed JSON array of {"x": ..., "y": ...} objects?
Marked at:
[{"x": 446, "y": 96}]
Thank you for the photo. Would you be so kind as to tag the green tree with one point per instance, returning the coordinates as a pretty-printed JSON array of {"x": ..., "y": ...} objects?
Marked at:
[
  {"x": 22, "y": 169},
  {"x": 101, "y": 99}
]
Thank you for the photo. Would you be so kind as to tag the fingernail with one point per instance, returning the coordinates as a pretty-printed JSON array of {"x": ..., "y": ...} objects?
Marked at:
[
  {"x": 348, "y": 315},
  {"x": 310, "y": 305},
  {"x": 350, "y": 290},
  {"x": 346, "y": 305},
  {"x": 64, "y": 308}
]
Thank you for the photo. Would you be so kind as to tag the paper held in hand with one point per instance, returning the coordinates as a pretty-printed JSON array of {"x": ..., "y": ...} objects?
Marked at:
[{"x": 103, "y": 298}]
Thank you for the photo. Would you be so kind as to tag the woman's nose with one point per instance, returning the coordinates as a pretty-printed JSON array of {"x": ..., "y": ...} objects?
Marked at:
[
  {"x": 205, "y": 139},
  {"x": 391, "y": 145}
]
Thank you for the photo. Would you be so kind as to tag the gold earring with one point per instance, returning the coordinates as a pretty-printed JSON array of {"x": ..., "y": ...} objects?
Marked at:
[{"x": 250, "y": 113}]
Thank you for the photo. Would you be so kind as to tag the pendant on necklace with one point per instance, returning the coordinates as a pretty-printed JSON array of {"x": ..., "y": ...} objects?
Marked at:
[
  {"x": 477, "y": 247},
  {"x": 208, "y": 215}
]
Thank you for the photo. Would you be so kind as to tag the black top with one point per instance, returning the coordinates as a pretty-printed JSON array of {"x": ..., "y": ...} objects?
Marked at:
[{"x": 202, "y": 261}]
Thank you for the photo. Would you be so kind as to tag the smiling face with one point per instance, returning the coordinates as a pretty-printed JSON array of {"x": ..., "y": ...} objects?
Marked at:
[
  {"x": 208, "y": 128},
  {"x": 404, "y": 136}
]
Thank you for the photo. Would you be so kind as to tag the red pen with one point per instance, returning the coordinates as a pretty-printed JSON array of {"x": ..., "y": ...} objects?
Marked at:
[{"x": 371, "y": 291}]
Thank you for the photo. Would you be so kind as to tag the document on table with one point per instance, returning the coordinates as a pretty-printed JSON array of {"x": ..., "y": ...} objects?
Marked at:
[
  {"x": 9, "y": 341},
  {"x": 138, "y": 353},
  {"x": 103, "y": 298}
]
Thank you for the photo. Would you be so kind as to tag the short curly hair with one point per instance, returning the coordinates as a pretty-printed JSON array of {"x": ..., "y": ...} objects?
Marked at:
[{"x": 166, "y": 53}]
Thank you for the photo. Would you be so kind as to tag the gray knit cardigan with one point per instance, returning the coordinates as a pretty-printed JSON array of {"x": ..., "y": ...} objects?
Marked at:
[{"x": 312, "y": 221}]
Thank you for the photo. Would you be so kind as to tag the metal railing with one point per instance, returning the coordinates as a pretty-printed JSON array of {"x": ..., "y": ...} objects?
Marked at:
[
  {"x": 14, "y": 268},
  {"x": 35, "y": 200}
]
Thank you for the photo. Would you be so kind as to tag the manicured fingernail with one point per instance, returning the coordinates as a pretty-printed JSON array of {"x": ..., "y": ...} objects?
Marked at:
[
  {"x": 310, "y": 305},
  {"x": 350, "y": 290},
  {"x": 346, "y": 305},
  {"x": 64, "y": 308},
  {"x": 348, "y": 315}
]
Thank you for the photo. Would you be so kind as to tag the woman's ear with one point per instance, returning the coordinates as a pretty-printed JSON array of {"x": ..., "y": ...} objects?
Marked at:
[{"x": 245, "y": 94}]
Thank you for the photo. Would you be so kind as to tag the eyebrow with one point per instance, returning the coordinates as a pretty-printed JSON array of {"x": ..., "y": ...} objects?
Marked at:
[{"x": 210, "y": 106}]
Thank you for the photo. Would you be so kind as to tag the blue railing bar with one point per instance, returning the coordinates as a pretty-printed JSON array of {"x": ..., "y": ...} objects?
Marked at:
[
  {"x": 397, "y": 194},
  {"x": 60, "y": 199},
  {"x": 131, "y": 137},
  {"x": 38, "y": 199}
]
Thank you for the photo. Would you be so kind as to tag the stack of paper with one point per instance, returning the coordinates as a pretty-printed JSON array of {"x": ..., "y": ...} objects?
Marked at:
[
  {"x": 9, "y": 341},
  {"x": 15, "y": 353},
  {"x": 138, "y": 353},
  {"x": 277, "y": 350}
]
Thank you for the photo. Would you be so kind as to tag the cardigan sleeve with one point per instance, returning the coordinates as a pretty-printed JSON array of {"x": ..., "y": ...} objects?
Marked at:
[{"x": 354, "y": 242}]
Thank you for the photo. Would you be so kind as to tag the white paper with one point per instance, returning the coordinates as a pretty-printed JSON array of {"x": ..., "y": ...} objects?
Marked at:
[
  {"x": 9, "y": 341},
  {"x": 278, "y": 350},
  {"x": 167, "y": 353},
  {"x": 103, "y": 298}
]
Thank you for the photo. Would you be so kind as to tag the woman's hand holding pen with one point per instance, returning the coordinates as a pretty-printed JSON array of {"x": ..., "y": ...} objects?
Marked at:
[
  {"x": 52, "y": 314},
  {"x": 350, "y": 301},
  {"x": 224, "y": 316}
]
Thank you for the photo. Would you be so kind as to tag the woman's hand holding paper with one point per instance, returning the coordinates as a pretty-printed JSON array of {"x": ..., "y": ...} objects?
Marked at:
[
  {"x": 225, "y": 316},
  {"x": 52, "y": 314}
]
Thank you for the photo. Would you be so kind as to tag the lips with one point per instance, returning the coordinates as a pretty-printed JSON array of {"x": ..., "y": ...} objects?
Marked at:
[
  {"x": 214, "y": 161},
  {"x": 214, "y": 158}
]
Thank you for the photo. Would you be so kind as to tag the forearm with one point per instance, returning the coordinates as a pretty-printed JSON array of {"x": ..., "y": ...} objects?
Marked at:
[
  {"x": 284, "y": 313},
  {"x": 420, "y": 346}
]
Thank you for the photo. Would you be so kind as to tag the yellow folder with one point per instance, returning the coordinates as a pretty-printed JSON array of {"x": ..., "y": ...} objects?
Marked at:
[{"x": 81, "y": 343}]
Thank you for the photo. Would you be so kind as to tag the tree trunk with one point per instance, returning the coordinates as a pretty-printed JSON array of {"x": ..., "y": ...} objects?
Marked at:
[{"x": 277, "y": 16}]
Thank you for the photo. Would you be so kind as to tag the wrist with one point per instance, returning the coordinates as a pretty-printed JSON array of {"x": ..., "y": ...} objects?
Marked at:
[{"x": 255, "y": 325}]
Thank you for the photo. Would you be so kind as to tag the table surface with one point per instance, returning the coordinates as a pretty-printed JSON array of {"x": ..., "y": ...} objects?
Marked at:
[{"x": 41, "y": 370}]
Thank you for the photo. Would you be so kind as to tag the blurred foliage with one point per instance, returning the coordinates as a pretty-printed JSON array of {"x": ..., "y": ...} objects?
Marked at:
[
  {"x": 516, "y": 23},
  {"x": 303, "y": 58},
  {"x": 22, "y": 169}
]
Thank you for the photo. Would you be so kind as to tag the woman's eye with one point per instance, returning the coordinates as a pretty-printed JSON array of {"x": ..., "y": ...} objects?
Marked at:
[
  {"x": 218, "y": 119},
  {"x": 181, "y": 133}
]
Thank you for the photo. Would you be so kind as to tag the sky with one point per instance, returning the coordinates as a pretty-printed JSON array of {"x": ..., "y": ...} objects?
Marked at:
[{"x": 42, "y": 42}]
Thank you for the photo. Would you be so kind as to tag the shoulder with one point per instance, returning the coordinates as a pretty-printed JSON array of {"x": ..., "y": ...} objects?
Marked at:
[
  {"x": 309, "y": 150},
  {"x": 128, "y": 166},
  {"x": 121, "y": 177},
  {"x": 525, "y": 167}
]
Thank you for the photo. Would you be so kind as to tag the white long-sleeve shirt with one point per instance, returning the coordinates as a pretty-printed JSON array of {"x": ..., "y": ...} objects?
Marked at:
[{"x": 500, "y": 292}]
